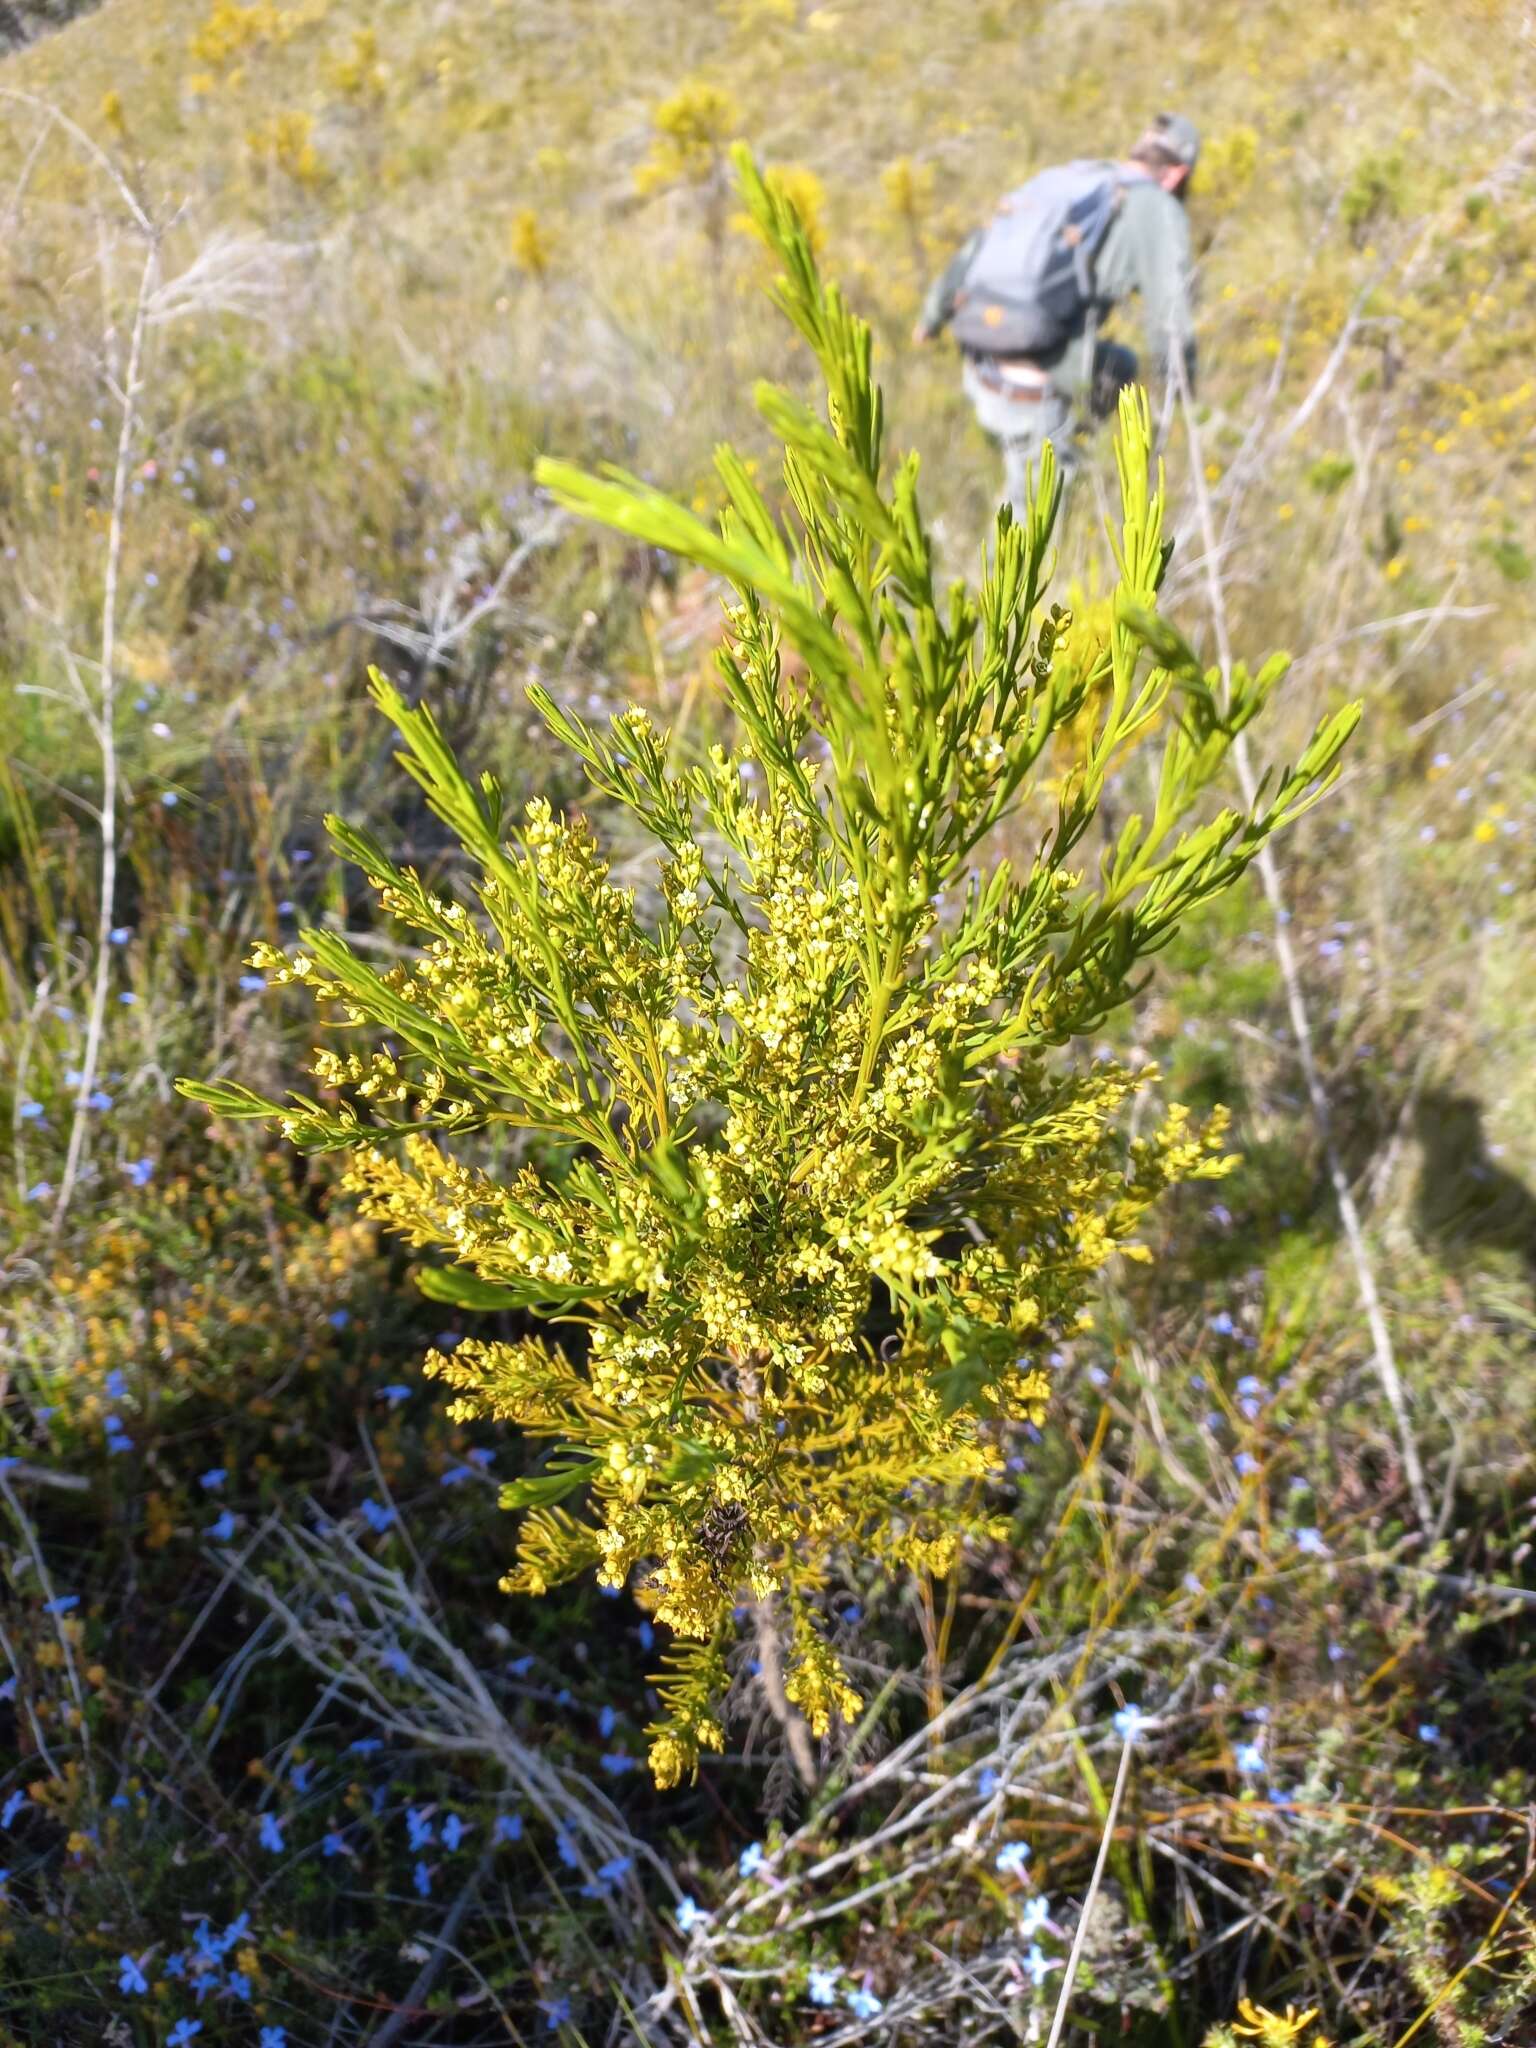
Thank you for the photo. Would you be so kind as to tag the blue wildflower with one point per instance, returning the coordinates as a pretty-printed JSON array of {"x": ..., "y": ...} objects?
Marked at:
[
  {"x": 615, "y": 1868},
  {"x": 271, "y": 1833},
  {"x": 751, "y": 1859},
  {"x": 557, "y": 2013},
  {"x": 1311, "y": 1541},
  {"x": 421, "y": 1877},
  {"x": 690, "y": 1914},
  {"x": 607, "y": 1720},
  {"x": 1040, "y": 1965},
  {"x": 14, "y": 1805},
  {"x": 1249, "y": 1758},
  {"x": 520, "y": 1666},
  {"x": 273, "y": 2037},
  {"x": 1129, "y": 1723},
  {"x": 183, "y": 2032},
  {"x": 454, "y": 1831},
  {"x": 252, "y": 984},
  {"x": 29, "y": 1109},
  {"x": 365, "y": 1745},
  {"x": 987, "y": 1783},
  {"x": 394, "y": 1395},
  {"x": 63, "y": 1604},
  {"x": 131, "y": 1980},
  {"x": 480, "y": 1456},
  {"x": 616, "y": 1763},
  {"x": 1245, "y": 1464},
  {"x": 862, "y": 2003},
  {"x": 455, "y": 1474},
  {"x": 1012, "y": 1857},
  {"x": 566, "y": 1849},
  {"x": 821, "y": 1985},
  {"x": 212, "y": 1479},
  {"x": 238, "y": 1983},
  {"x": 1428, "y": 1731},
  {"x": 339, "y": 1318},
  {"x": 509, "y": 1827},
  {"x": 333, "y": 1844},
  {"x": 647, "y": 1636},
  {"x": 1037, "y": 1911},
  {"x": 418, "y": 1826},
  {"x": 376, "y": 1515}
]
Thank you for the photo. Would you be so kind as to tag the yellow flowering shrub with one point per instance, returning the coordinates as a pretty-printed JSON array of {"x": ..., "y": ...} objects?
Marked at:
[{"x": 820, "y": 1190}]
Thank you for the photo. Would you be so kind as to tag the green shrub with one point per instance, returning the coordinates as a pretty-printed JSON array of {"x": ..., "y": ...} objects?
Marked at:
[{"x": 832, "y": 1195}]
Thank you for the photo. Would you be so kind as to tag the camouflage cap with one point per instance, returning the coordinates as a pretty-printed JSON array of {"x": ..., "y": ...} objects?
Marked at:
[{"x": 1180, "y": 137}]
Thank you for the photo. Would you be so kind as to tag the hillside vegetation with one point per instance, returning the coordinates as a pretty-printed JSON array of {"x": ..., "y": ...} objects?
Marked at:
[{"x": 293, "y": 300}]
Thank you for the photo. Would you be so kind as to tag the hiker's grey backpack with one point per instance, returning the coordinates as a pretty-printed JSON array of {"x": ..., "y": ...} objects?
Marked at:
[{"x": 1029, "y": 284}]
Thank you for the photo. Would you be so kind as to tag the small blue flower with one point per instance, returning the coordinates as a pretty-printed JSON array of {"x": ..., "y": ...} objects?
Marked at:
[
  {"x": 333, "y": 1844},
  {"x": 566, "y": 1849},
  {"x": 273, "y": 2037},
  {"x": 339, "y": 1318},
  {"x": 646, "y": 1635},
  {"x": 116, "y": 1385},
  {"x": 751, "y": 1859},
  {"x": 17, "y": 1803},
  {"x": 394, "y": 1659},
  {"x": 238, "y": 1983},
  {"x": 65, "y": 1603},
  {"x": 480, "y": 1456},
  {"x": 509, "y": 1827},
  {"x": 1245, "y": 1464},
  {"x": 40, "y": 1191},
  {"x": 365, "y": 1745},
  {"x": 299, "y": 1776},
  {"x": 520, "y": 1666},
  {"x": 1129, "y": 1723},
  {"x": 29, "y": 1109},
  {"x": 616, "y": 1763},
  {"x": 271, "y": 1833},
  {"x": 615, "y": 1868},
  {"x": 607, "y": 1720},
  {"x": 1249, "y": 1758},
  {"x": 690, "y": 1914},
  {"x": 1012, "y": 1857},
  {"x": 394, "y": 1395},
  {"x": 1037, "y": 1911},
  {"x": 862, "y": 2003},
  {"x": 557, "y": 2013},
  {"x": 183, "y": 2032},
  {"x": 821, "y": 1985},
  {"x": 421, "y": 1877},
  {"x": 140, "y": 1171},
  {"x": 376, "y": 1515},
  {"x": 418, "y": 1826},
  {"x": 116, "y": 1441},
  {"x": 987, "y": 1783},
  {"x": 1311, "y": 1542},
  {"x": 131, "y": 1980},
  {"x": 456, "y": 1474},
  {"x": 1040, "y": 1965},
  {"x": 1222, "y": 1323},
  {"x": 212, "y": 1479},
  {"x": 252, "y": 984},
  {"x": 454, "y": 1831},
  {"x": 176, "y": 1965},
  {"x": 1428, "y": 1731},
  {"x": 120, "y": 934}
]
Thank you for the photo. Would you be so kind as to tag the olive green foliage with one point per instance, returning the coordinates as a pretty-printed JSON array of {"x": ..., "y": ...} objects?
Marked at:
[{"x": 835, "y": 1192}]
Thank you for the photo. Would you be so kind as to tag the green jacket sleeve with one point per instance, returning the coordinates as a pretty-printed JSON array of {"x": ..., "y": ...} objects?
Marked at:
[
  {"x": 940, "y": 302},
  {"x": 1157, "y": 257}
]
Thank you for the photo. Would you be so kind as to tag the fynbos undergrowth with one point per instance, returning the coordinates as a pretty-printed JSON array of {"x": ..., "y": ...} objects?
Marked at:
[{"x": 832, "y": 1182}]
